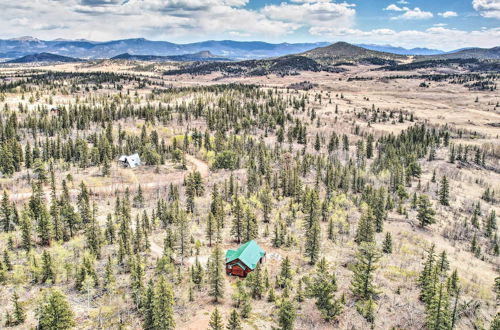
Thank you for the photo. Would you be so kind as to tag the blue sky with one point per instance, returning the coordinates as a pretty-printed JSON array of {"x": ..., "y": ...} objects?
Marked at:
[{"x": 442, "y": 24}]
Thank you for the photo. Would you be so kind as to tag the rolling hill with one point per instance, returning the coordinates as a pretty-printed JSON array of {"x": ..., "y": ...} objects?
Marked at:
[
  {"x": 44, "y": 58},
  {"x": 344, "y": 52}
]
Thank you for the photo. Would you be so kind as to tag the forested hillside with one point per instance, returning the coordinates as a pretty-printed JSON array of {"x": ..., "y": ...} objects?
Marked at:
[{"x": 373, "y": 212}]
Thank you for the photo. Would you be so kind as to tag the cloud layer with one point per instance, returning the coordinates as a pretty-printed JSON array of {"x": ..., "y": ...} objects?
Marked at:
[
  {"x": 487, "y": 8},
  {"x": 189, "y": 20}
]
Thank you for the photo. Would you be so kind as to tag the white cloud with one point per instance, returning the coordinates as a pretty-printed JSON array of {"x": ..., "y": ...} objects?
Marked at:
[
  {"x": 448, "y": 14},
  {"x": 177, "y": 20},
  {"x": 312, "y": 14},
  {"x": 487, "y": 8},
  {"x": 403, "y": 2},
  {"x": 435, "y": 37},
  {"x": 412, "y": 14},
  {"x": 394, "y": 7}
]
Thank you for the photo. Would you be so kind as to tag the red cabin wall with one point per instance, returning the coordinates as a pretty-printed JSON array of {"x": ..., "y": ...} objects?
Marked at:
[{"x": 236, "y": 270}]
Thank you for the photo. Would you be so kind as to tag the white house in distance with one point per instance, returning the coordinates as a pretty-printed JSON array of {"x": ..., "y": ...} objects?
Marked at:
[{"x": 130, "y": 161}]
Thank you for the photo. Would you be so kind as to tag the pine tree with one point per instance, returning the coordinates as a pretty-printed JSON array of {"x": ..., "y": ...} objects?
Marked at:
[
  {"x": 19, "y": 313},
  {"x": 266, "y": 199},
  {"x": 426, "y": 273},
  {"x": 491, "y": 224},
  {"x": 183, "y": 235},
  {"x": 366, "y": 263},
  {"x": 26, "y": 229},
  {"x": 387, "y": 244},
  {"x": 379, "y": 211},
  {"x": 444, "y": 192},
  {"x": 365, "y": 231},
  {"x": 210, "y": 228},
  {"x": 250, "y": 226},
  {"x": 147, "y": 307},
  {"x": 48, "y": 273},
  {"x": 367, "y": 309},
  {"x": 317, "y": 143},
  {"x": 54, "y": 312},
  {"x": 40, "y": 214},
  {"x": 109, "y": 277},
  {"x": 438, "y": 313},
  {"x": 234, "y": 322},
  {"x": 285, "y": 274},
  {"x": 286, "y": 315},
  {"x": 256, "y": 284},
  {"x": 246, "y": 306},
  {"x": 163, "y": 301},
  {"x": 323, "y": 287},
  {"x": 137, "y": 281},
  {"x": 237, "y": 228},
  {"x": 216, "y": 275},
  {"x": 216, "y": 322},
  {"x": 6, "y": 260},
  {"x": 425, "y": 213},
  {"x": 94, "y": 235},
  {"x": 110, "y": 230},
  {"x": 6, "y": 214},
  {"x": 313, "y": 241}
]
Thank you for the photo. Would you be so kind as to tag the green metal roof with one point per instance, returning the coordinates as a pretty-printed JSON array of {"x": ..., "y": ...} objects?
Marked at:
[{"x": 249, "y": 253}]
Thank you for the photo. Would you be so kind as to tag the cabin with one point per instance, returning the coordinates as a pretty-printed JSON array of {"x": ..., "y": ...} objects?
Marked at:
[
  {"x": 130, "y": 161},
  {"x": 242, "y": 261}
]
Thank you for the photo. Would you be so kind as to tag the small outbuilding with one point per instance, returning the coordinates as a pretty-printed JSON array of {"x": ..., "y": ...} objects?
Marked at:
[
  {"x": 242, "y": 261},
  {"x": 130, "y": 161}
]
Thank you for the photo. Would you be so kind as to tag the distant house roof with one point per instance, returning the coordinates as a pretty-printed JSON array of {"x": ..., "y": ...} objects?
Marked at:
[
  {"x": 131, "y": 161},
  {"x": 249, "y": 253}
]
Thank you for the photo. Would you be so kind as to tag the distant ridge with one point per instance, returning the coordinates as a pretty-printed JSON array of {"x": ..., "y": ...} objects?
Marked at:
[
  {"x": 469, "y": 53},
  {"x": 401, "y": 50},
  {"x": 204, "y": 56},
  {"x": 44, "y": 58},
  {"x": 16, "y": 47}
]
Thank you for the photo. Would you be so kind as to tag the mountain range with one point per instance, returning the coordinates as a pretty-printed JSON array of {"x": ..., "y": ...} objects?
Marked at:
[
  {"x": 327, "y": 58},
  {"x": 81, "y": 48},
  {"x": 18, "y": 47}
]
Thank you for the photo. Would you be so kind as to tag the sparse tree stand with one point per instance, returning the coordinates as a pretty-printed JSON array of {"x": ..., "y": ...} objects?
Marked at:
[{"x": 54, "y": 312}]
